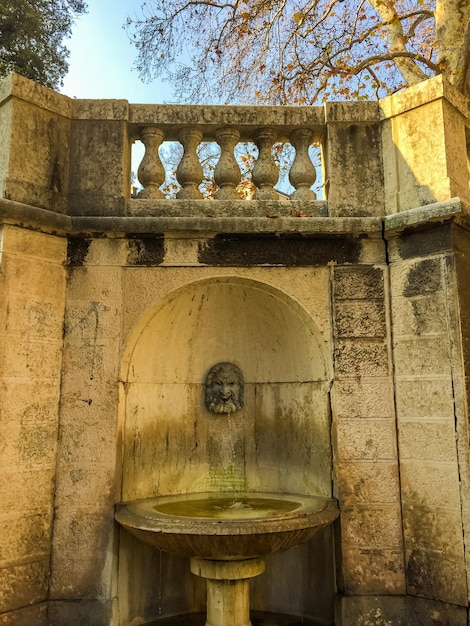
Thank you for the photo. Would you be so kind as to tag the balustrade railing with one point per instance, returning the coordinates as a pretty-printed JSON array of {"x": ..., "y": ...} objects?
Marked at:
[{"x": 191, "y": 126}]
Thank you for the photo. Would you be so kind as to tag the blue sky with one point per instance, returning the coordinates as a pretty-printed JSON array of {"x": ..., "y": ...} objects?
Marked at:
[{"x": 102, "y": 57}]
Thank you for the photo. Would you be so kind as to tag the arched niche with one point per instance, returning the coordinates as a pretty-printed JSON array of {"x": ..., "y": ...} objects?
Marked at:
[
  {"x": 278, "y": 442},
  {"x": 225, "y": 319}
]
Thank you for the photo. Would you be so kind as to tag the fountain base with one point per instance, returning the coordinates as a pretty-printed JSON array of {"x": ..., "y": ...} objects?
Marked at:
[{"x": 228, "y": 589}]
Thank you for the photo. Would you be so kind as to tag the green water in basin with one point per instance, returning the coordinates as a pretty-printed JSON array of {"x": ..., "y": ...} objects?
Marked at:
[{"x": 228, "y": 508}]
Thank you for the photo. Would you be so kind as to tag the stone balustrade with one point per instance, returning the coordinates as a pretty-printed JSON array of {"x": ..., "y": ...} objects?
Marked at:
[
  {"x": 227, "y": 126},
  {"x": 73, "y": 156}
]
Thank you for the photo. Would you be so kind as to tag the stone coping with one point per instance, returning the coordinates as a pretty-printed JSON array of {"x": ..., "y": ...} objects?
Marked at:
[
  {"x": 16, "y": 213},
  {"x": 227, "y": 208},
  {"x": 435, "y": 212}
]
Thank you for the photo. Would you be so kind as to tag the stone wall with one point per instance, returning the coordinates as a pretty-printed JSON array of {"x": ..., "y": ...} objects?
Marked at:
[
  {"x": 32, "y": 287},
  {"x": 363, "y": 295}
]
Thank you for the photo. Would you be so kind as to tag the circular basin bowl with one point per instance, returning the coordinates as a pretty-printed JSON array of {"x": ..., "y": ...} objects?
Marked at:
[{"x": 226, "y": 525}]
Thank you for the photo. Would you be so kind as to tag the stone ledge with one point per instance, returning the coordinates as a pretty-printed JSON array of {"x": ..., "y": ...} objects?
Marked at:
[
  {"x": 20, "y": 214},
  {"x": 352, "y": 226},
  {"x": 435, "y": 212},
  {"x": 427, "y": 91},
  {"x": 276, "y": 219},
  {"x": 210, "y": 117},
  {"x": 227, "y": 208},
  {"x": 16, "y": 86}
]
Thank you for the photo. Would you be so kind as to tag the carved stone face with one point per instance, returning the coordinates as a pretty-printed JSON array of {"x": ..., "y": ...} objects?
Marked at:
[{"x": 224, "y": 388}]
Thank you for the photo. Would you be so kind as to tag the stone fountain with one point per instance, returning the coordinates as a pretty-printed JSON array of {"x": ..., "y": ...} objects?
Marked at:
[{"x": 226, "y": 535}]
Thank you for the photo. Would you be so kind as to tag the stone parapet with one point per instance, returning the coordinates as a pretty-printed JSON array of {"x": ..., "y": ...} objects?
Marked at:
[
  {"x": 74, "y": 156},
  {"x": 35, "y": 125},
  {"x": 425, "y": 137}
]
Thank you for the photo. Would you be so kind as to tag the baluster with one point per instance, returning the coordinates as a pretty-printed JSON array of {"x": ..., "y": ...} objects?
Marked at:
[
  {"x": 151, "y": 172},
  {"x": 227, "y": 172},
  {"x": 265, "y": 173},
  {"x": 302, "y": 174},
  {"x": 189, "y": 172}
]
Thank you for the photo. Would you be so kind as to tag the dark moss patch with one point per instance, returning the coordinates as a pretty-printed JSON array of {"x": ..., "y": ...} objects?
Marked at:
[
  {"x": 146, "y": 251},
  {"x": 423, "y": 278},
  {"x": 416, "y": 242},
  {"x": 271, "y": 249},
  {"x": 77, "y": 250}
]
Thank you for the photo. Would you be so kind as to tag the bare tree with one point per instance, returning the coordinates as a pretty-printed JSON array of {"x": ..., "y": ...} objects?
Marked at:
[{"x": 300, "y": 51}]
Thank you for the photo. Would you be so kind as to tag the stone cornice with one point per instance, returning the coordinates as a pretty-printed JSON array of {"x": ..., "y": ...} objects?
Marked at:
[{"x": 31, "y": 217}]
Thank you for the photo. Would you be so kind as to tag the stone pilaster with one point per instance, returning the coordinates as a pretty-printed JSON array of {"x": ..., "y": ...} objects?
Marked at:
[
  {"x": 32, "y": 300},
  {"x": 365, "y": 451},
  {"x": 429, "y": 398}
]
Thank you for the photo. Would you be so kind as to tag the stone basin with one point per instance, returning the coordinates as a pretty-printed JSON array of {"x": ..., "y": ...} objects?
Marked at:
[{"x": 226, "y": 526}]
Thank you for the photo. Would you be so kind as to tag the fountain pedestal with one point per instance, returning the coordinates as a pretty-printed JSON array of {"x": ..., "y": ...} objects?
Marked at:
[{"x": 228, "y": 589}]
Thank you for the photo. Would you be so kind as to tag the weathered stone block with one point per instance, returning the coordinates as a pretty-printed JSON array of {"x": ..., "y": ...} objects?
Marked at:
[
  {"x": 359, "y": 319},
  {"x": 368, "y": 482},
  {"x": 41, "y": 318},
  {"x": 414, "y": 181},
  {"x": 424, "y": 277},
  {"x": 82, "y": 483},
  {"x": 244, "y": 250},
  {"x": 94, "y": 284},
  {"x": 89, "y": 401},
  {"x": 399, "y": 611},
  {"x": 416, "y": 277},
  {"x": 83, "y": 613},
  {"x": 433, "y": 529},
  {"x": 361, "y": 358},
  {"x": 90, "y": 362},
  {"x": 422, "y": 241},
  {"x": 359, "y": 282},
  {"x": 430, "y": 483},
  {"x": 372, "y": 526},
  {"x": 26, "y": 490},
  {"x": 87, "y": 442},
  {"x": 84, "y": 538},
  {"x": 91, "y": 323},
  {"x": 32, "y": 402},
  {"x": 109, "y": 253},
  {"x": 354, "y": 153},
  {"x": 27, "y": 445},
  {"x": 41, "y": 281},
  {"x": 419, "y": 316},
  {"x": 427, "y": 441},
  {"x": 30, "y": 358},
  {"x": 431, "y": 574},
  {"x": 291, "y": 432},
  {"x": 365, "y": 440},
  {"x": 29, "y": 243},
  {"x": 99, "y": 165},
  {"x": 373, "y": 571},
  {"x": 36, "y": 139},
  {"x": 25, "y": 535},
  {"x": 181, "y": 251},
  {"x": 425, "y": 398},
  {"x": 422, "y": 356},
  {"x": 23, "y": 583},
  {"x": 37, "y": 615},
  {"x": 362, "y": 398}
]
